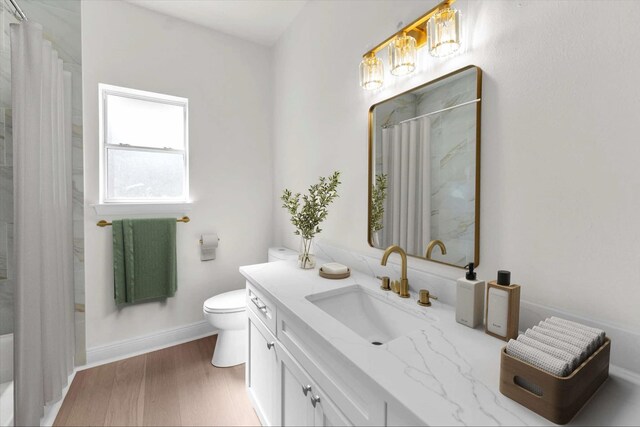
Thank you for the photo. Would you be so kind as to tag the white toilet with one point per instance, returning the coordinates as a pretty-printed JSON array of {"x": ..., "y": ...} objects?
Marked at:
[
  {"x": 281, "y": 253},
  {"x": 227, "y": 313}
]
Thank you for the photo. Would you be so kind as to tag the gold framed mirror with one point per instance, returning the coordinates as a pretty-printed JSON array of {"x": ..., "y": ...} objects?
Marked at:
[{"x": 424, "y": 170}]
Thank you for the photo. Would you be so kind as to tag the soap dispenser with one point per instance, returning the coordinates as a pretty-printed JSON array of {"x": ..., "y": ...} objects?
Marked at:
[
  {"x": 470, "y": 299},
  {"x": 503, "y": 307}
]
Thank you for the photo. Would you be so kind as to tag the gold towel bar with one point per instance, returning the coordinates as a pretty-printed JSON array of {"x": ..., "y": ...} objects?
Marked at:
[{"x": 103, "y": 223}]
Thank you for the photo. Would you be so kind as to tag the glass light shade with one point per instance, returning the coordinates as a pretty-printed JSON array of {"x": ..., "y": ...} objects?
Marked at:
[
  {"x": 402, "y": 55},
  {"x": 443, "y": 32},
  {"x": 371, "y": 72}
]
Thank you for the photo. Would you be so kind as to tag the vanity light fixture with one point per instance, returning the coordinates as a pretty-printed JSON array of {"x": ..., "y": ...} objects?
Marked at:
[
  {"x": 440, "y": 27},
  {"x": 371, "y": 72},
  {"x": 444, "y": 32},
  {"x": 402, "y": 55}
]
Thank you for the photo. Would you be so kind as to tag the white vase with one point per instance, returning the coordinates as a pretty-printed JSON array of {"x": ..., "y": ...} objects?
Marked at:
[{"x": 306, "y": 257}]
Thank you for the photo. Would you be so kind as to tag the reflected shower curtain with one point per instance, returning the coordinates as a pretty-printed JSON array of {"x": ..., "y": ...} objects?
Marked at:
[
  {"x": 406, "y": 158},
  {"x": 44, "y": 326}
]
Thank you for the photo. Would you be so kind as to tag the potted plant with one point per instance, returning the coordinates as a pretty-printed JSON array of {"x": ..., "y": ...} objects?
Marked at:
[{"x": 307, "y": 216}]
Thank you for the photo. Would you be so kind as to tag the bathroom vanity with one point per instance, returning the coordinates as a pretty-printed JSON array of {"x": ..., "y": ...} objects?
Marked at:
[{"x": 344, "y": 352}]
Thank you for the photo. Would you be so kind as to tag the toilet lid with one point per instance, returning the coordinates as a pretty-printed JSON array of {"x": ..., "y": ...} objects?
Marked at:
[{"x": 228, "y": 302}]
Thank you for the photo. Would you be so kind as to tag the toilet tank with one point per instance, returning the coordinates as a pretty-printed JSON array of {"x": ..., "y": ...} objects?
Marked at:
[{"x": 281, "y": 253}]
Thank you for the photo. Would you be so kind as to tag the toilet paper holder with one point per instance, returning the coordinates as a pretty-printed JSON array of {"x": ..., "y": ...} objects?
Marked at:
[
  {"x": 208, "y": 245},
  {"x": 200, "y": 241}
]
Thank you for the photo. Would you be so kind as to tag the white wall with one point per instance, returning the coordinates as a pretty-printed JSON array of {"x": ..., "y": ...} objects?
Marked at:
[
  {"x": 560, "y": 179},
  {"x": 228, "y": 85}
]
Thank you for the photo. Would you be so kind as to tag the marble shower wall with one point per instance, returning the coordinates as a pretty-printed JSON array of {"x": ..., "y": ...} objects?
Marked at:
[
  {"x": 453, "y": 166},
  {"x": 61, "y": 24}
]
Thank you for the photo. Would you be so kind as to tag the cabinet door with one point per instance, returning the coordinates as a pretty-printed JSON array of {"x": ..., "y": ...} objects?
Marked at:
[
  {"x": 262, "y": 369},
  {"x": 296, "y": 389},
  {"x": 326, "y": 413}
]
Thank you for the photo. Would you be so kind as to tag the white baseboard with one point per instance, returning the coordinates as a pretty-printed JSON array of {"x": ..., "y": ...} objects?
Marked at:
[{"x": 143, "y": 344}]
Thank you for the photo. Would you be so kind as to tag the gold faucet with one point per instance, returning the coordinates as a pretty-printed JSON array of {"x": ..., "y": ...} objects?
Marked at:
[
  {"x": 432, "y": 244},
  {"x": 404, "y": 282}
]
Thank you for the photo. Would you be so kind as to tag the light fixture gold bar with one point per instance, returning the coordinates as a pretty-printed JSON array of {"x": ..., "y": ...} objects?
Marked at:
[
  {"x": 103, "y": 223},
  {"x": 416, "y": 29}
]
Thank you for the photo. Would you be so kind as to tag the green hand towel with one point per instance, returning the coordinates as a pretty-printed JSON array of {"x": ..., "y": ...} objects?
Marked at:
[{"x": 144, "y": 259}]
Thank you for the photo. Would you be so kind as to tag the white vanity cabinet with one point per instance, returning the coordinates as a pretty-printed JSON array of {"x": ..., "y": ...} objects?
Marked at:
[
  {"x": 295, "y": 391},
  {"x": 302, "y": 402},
  {"x": 262, "y": 370},
  {"x": 293, "y": 381}
]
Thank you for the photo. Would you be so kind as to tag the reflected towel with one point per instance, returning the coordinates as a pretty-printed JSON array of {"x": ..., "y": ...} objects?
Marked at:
[
  {"x": 578, "y": 327},
  {"x": 538, "y": 358},
  {"x": 144, "y": 259},
  {"x": 554, "y": 342}
]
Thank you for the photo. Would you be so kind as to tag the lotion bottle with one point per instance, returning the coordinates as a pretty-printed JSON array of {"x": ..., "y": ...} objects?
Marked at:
[
  {"x": 470, "y": 299},
  {"x": 503, "y": 307}
]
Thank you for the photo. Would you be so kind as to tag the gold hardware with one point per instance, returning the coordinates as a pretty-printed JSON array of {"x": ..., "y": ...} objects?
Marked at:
[
  {"x": 416, "y": 29},
  {"x": 103, "y": 223},
  {"x": 385, "y": 283},
  {"x": 432, "y": 244},
  {"x": 424, "y": 298},
  {"x": 403, "y": 290},
  {"x": 395, "y": 286}
]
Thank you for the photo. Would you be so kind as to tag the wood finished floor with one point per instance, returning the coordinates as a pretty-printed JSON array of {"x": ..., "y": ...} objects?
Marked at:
[{"x": 176, "y": 386}]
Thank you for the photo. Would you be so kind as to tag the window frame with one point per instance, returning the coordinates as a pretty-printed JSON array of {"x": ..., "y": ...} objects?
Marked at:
[{"x": 104, "y": 91}]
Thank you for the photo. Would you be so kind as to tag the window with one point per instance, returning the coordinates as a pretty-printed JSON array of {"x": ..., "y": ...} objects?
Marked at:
[{"x": 144, "y": 147}]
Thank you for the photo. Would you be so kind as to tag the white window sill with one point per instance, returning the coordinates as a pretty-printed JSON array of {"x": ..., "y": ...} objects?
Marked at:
[{"x": 142, "y": 208}]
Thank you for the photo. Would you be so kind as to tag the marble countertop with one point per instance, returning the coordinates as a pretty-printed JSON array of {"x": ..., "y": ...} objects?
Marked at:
[{"x": 446, "y": 373}]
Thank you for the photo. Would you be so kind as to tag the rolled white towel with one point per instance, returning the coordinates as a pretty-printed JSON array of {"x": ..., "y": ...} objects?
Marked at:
[
  {"x": 559, "y": 321},
  {"x": 538, "y": 358},
  {"x": 554, "y": 342},
  {"x": 573, "y": 360},
  {"x": 590, "y": 344},
  {"x": 595, "y": 338},
  {"x": 582, "y": 344}
]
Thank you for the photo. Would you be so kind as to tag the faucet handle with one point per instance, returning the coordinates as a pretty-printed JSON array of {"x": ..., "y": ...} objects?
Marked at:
[
  {"x": 424, "y": 298},
  {"x": 395, "y": 286},
  {"x": 385, "y": 283}
]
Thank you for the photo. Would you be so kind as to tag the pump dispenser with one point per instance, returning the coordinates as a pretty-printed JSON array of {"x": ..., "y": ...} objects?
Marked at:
[
  {"x": 503, "y": 307},
  {"x": 470, "y": 299}
]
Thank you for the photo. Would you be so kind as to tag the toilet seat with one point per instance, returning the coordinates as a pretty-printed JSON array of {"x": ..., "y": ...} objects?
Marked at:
[{"x": 227, "y": 302}]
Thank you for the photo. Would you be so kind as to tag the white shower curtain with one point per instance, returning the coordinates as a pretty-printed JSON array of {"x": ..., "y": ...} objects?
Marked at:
[
  {"x": 406, "y": 157},
  {"x": 44, "y": 326}
]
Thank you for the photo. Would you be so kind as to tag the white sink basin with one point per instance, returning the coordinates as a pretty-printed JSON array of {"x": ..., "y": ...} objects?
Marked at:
[{"x": 367, "y": 314}]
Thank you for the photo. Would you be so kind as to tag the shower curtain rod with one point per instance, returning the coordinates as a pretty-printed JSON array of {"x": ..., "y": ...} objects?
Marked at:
[
  {"x": 18, "y": 12},
  {"x": 432, "y": 113}
]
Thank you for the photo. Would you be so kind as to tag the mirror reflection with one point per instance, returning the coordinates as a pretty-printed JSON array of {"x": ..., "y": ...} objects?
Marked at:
[{"x": 424, "y": 170}]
